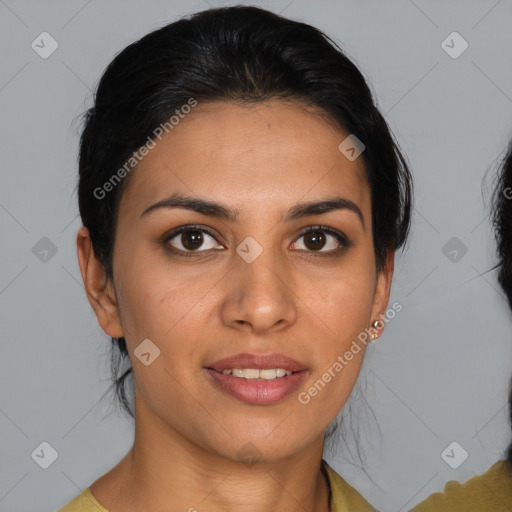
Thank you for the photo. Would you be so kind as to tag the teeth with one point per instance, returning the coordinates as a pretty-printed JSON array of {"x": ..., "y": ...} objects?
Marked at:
[
  {"x": 250, "y": 373},
  {"x": 267, "y": 374},
  {"x": 255, "y": 373}
]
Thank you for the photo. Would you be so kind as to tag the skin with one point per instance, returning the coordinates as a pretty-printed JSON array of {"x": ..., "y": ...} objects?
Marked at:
[{"x": 292, "y": 299}]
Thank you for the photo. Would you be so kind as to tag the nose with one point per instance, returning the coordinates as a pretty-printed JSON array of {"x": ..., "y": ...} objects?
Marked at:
[{"x": 260, "y": 296}]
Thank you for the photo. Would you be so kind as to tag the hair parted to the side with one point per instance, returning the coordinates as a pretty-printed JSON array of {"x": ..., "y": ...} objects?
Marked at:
[
  {"x": 242, "y": 54},
  {"x": 502, "y": 223}
]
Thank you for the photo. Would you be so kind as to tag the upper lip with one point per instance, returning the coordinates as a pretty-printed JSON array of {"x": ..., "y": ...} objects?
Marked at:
[{"x": 258, "y": 361}]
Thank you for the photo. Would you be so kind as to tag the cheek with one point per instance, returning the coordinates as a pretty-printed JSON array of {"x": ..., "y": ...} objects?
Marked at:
[
  {"x": 165, "y": 305},
  {"x": 341, "y": 306},
  {"x": 343, "y": 300}
]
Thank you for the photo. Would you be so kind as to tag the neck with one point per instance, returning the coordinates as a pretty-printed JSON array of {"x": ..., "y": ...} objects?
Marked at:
[{"x": 164, "y": 471}]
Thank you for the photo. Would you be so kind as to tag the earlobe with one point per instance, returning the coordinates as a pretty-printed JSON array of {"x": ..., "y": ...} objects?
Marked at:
[
  {"x": 100, "y": 291},
  {"x": 382, "y": 292}
]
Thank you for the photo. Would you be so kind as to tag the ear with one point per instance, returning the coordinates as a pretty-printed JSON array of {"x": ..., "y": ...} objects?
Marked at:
[
  {"x": 100, "y": 291},
  {"x": 382, "y": 292}
]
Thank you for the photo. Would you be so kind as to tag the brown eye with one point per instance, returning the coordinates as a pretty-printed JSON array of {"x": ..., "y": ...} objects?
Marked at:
[
  {"x": 322, "y": 240},
  {"x": 314, "y": 240},
  {"x": 189, "y": 240}
]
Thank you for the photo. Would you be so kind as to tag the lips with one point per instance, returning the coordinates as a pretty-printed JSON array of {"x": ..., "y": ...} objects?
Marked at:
[
  {"x": 260, "y": 362},
  {"x": 257, "y": 391}
]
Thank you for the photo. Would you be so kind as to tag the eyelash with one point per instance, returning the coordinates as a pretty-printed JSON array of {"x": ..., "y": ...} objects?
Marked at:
[{"x": 344, "y": 242}]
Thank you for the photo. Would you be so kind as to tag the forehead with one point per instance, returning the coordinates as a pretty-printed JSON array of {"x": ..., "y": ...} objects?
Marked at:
[{"x": 261, "y": 155}]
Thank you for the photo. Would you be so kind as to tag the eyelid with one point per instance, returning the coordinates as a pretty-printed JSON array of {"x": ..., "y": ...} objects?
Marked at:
[
  {"x": 189, "y": 227},
  {"x": 340, "y": 236}
]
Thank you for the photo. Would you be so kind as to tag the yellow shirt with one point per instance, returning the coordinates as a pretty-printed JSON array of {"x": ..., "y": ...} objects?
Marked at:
[
  {"x": 491, "y": 492},
  {"x": 344, "y": 498}
]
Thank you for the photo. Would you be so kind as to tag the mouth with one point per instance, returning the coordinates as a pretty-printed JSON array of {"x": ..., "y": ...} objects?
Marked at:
[
  {"x": 258, "y": 362},
  {"x": 261, "y": 375},
  {"x": 257, "y": 380}
]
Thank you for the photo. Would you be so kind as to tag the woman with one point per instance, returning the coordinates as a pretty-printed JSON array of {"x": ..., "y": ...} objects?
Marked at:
[
  {"x": 242, "y": 200},
  {"x": 491, "y": 492}
]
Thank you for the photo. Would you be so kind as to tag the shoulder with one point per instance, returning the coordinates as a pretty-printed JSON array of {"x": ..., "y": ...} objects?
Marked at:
[
  {"x": 84, "y": 502},
  {"x": 491, "y": 491},
  {"x": 344, "y": 496}
]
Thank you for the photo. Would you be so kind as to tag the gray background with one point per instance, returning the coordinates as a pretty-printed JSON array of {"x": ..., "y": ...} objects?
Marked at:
[{"x": 439, "y": 374}]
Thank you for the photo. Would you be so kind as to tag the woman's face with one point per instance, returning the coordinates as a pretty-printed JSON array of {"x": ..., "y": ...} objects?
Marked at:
[{"x": 253, "y": 283}]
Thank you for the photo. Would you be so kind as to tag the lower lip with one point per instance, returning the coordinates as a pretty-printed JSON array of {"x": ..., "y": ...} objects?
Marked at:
[{"x": 258, "y": 392}]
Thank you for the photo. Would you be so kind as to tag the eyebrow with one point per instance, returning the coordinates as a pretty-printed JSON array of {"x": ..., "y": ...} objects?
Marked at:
[{"x": 220, "y": 211}]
